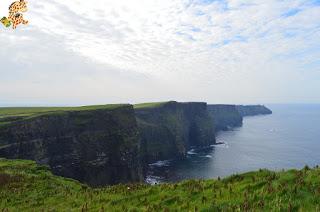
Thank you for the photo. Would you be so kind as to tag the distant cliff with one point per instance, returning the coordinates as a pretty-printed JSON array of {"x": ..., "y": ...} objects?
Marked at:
[
  {"x": 95, "y": 146},
  {"x": 225, "y": 117},
  {"x": 253, "y": 110},
  {"x": 168, "y": 130}
]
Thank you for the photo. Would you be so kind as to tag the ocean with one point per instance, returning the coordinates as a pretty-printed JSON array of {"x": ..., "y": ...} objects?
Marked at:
[{"x": 289, "y": 138}]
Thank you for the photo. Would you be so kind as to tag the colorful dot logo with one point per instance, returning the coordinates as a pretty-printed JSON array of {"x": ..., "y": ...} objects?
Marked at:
[{"x": 15, "y": 17}]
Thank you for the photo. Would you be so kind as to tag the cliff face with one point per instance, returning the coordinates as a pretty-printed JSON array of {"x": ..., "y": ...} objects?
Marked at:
[
  {"x": 100, "y": 146},
  {"x": 253, "y": 110},
  {"x": 169, "y": 130},
  {"x": 97, "y": 147},
  {"x": 225, "y": 116}
]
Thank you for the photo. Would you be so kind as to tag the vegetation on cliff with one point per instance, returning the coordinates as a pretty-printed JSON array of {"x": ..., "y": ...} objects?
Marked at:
[
  {"x": 149, "y": 105},
  {"x": 25, "y": 186},
  {"x": 11, "y": 114}
]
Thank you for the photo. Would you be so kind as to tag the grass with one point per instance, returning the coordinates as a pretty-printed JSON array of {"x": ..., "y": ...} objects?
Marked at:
[
  {"x": 24, "y": 186},
  {"x": 11, "y": 114},
  {"x": 149, "y": 105}
]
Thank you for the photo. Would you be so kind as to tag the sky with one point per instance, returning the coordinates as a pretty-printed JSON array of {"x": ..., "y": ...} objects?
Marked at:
[{"x": 128, "y": 51}]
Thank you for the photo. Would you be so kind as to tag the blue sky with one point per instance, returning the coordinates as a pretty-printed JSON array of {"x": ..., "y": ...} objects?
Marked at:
[{"x": 106, "y": 51}]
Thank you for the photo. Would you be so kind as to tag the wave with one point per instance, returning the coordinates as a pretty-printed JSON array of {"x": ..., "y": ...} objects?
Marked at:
[
  {"x": 221, "y": 144},
  {"x": 153, "y": 180},
  {"x": 161, "y": 163},
  {"x": 207, "y": 156},
  {"x": 192, "y": 152}
]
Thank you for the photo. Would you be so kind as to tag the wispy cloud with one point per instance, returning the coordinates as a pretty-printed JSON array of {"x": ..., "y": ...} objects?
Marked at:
[{"x": 199, "y": 46}]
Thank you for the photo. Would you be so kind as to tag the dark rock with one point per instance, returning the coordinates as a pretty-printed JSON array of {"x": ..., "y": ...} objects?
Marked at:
[
  {"x": 171, "y": 129},
  {"x": 253, "y": 110},
  {"x": 97, "y": 147},
  {"x": 225, "y": 117}
]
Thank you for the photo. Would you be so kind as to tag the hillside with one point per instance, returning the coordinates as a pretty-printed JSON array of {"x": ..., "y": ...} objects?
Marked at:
[{"x": 25, "y": 186}]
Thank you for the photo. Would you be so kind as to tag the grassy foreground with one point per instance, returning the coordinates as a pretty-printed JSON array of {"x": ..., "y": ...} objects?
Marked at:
[{"x": 25, "y": 186}]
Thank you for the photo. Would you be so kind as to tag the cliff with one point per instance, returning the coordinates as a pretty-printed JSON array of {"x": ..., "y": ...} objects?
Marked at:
[
  {"x": 225, "y": 117},
  {"x": 168, "y": 130},
  {"x": 112, "y": 144},
  {"x": 253, "y": 110},
  {"x": 96, "y": 145}
]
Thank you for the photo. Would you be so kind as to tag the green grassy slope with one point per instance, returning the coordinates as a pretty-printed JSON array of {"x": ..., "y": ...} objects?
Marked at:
[
  {"x": 149, "y": 105},
  {"x": 25, "y": 186},
  {"x": 10, "y": 114}
]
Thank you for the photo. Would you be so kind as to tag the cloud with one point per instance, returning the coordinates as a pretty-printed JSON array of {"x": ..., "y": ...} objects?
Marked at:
[{"x": 231, "y": 51}]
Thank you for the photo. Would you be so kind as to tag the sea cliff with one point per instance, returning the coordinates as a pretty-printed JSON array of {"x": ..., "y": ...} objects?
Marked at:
[
  {"x": 112, "y": 144},
  {"x": 253, "y": 110},
  {"x": 168, "y": 130},
  {"x": 97, "y": 146},
  {"x": 225, "y": 117}
]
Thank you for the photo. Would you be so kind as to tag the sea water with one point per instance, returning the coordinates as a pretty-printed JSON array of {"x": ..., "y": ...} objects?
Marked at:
[{"x": 289, "y": 138}]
